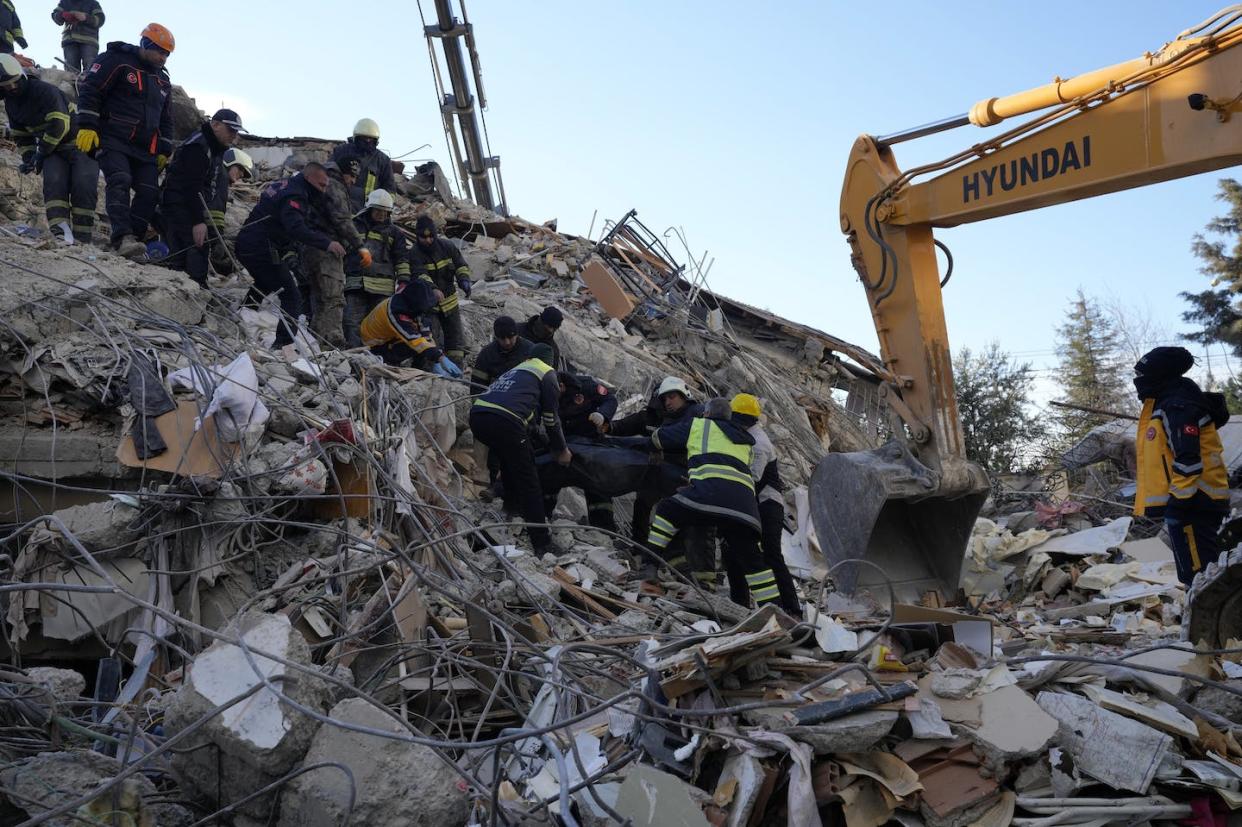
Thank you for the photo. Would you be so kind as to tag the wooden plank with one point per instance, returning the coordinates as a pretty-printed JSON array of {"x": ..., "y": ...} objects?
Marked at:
[{"x": 581, "y": 594}]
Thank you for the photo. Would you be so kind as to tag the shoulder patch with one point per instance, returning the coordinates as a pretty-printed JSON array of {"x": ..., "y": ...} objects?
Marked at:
[
  {"x": 1190, "y": 429},
  {"x": 94, "y": 68},
  {"x": 293, "y": 202}
]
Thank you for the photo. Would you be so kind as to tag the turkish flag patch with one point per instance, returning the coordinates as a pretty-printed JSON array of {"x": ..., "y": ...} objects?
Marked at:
[{"x": 1190, "y": 430}]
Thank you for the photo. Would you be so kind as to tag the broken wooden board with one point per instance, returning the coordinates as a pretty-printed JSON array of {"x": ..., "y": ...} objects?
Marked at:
[
  {"x": 1112, "y": 748},
  {"x": 349, "y": 492},
  {"x": 190, "y": 453},
  {"x": 608, "y": 291}
]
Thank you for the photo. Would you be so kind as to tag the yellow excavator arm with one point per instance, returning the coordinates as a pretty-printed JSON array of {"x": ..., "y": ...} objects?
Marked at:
[{"x": 908, "y": 507}]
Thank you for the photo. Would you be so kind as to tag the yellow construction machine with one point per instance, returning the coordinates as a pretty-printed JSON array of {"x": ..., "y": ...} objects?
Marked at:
[{"x": 908, "y": 507}]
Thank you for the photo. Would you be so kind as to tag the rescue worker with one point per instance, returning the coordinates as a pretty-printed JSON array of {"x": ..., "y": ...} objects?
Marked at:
[
  {"x": 82, "y": 20},
  {"x": 438, "y": 261},
  {"x": 542, "y": 327},
  {"x": 283, "y": 218},
  {"x": 500, "y": 419},
  {"x": 586, "y": 410},
  {"x": 394, "y": 330},
  {"x": 376, "y": 167},
  {"x": 237, "y": 166},
  {"x": 768, "y": 486},
  {"x": 325, "y": 272},
  {"x": 721, "y": 493},
  {"x": 390, "y": 266},
  {"x": 1182, "y": 475},
  {"x": 503, "y": 352},
  {"x": 191, "y": 184},
  {"x": 42, "y": 125},
  {"x": 10, "y": 28},
  {"x": 124, "y": 113}
]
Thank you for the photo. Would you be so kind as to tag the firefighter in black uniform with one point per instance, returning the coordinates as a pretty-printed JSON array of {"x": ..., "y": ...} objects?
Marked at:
[
  {"x": 124, "y": 113},
  {"x": 394, "y": 330},
  {"x": 266, "y": 245},
  {"x": 503, "y": 352},
  {"x": 438, "y": 261},
  {"x": 586, "y": 410},
  {"x": 541, "y": 328},
  {"x": 500, "y": 419},
  {"x": 390, "y": 266},
  {"x": 376, "y": 167},
  {"x": 10, "y": 28},
  {"x": 237, "y": 166},
  {"x": 42, "y": 124},
  {"x": 82, "y": 20},
  {"x": 190, "y": 186}
]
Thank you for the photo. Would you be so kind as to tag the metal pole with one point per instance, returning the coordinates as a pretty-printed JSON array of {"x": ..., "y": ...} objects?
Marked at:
[
  {"x": 450, "y": 34},
  {"x": 926, "y": 129}
]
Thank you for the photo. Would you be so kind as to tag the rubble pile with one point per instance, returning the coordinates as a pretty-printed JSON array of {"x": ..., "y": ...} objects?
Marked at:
[{"x": 253, "y": 587}]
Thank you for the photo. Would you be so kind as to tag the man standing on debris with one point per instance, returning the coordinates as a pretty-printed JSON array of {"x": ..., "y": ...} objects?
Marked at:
[
  {"x": 10, "y": 28},
  {"x": 123, "y": 112},
  {"x": 376, "y": 167},
  {"x": 190, "y": 187},
  {"x": 325, "y": 271},
  {"x": 721, "y": 493},
  {"x": 768, "y": 487},
  {"x": 500, "y": 419},
  {"x": 541, "y": 329},
  {"x": 42, "y": 126},
  {"x": 82, "y": 20},
  {"x": 388, "y": 250},
  {"x": 438, "y": 261},
  {"x": 266, "y": 244},
  {"x": 1181, "y": 471},
  {"x": 504, "y": 352},
  {"x": 394, "y": 330}
]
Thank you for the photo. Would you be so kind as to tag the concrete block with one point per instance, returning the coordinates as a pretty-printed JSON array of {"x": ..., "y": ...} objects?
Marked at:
[{"x": 65, "y": 685}]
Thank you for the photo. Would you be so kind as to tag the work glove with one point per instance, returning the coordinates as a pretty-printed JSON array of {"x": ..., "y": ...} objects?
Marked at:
[
  {"x": 32, "y": 163},
  {"x": 364, "y": 256},
  {"x": 161, "y": 161},
  {"x": 446, "y": 368},
  {"x": 21, "y": 41},
  {"x": 466, "y": 285},
  {"x": 596, "y": 419},
  {"x": 88, "y": 140}
]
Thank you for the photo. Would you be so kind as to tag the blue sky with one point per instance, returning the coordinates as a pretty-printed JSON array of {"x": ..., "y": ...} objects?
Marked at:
[{"x": 729, "y": 120}]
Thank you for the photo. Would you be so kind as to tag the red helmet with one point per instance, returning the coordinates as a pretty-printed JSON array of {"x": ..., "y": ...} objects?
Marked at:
[{"x": 160, "y": 36}]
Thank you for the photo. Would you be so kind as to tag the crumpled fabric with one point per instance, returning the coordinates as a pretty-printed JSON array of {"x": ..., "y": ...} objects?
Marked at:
[
  {"x": 150, "y": 399},
  {"x": 234, "y": 390}
]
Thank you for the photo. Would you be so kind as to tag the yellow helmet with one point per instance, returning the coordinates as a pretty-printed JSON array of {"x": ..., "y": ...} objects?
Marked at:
[
  {"x": 367, "y": 128},
  {"x": 747, "y": 404}
]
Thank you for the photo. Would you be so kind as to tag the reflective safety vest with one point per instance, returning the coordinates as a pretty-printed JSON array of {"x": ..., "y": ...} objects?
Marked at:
[
  {"x": 503, "y": 387},
  {"x": 711, "y": 455},
  {"x": 1161, "y": 476},
  {"x": 388, "y": 264}
]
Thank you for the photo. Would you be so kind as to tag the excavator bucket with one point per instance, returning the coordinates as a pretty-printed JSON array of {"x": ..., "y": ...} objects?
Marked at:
[
  {"x": 886, "y": 508},
  {"x": 1214, "y": 603}
]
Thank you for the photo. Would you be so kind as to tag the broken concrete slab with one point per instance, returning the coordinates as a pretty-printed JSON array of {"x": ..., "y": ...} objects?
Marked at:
[
  {"x": 1173, "y": 660},
  {"x": 394, "y": 781},
  {"x": 853, "y": 733},
  {"x": 64, "y": 685},
  {"x": 1112, "y": 748},
  {"x": 1005, "y": 724},
  {"x": 652, "y": 798}
]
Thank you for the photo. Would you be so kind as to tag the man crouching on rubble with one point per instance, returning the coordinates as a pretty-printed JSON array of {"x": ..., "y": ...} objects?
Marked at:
[
  {"x": 1181, "y": 472},
  {"x": 395, "y": 332},
  {"x": 500, "y": 419}
]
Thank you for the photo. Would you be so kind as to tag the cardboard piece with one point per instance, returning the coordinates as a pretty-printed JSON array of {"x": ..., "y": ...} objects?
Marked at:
[
  {"x": 607, "y": 290},
  {"x": 971, "y": 631},
  {"x": 354, "y": 480},
  {"x": 190, "y": 453}
]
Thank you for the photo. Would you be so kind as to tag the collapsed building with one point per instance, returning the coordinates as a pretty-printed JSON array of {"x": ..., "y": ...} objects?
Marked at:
[{"x": 301, "y": 612}]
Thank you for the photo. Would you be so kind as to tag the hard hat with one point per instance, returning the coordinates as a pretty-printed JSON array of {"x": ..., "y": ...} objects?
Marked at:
[
  {"x": 367, "y": 128},
  {"x": 673, "y": 384},
  {"x": 11, "y": 71},
  {"x": 160, "y": 36},
  {"x": 745, "y": 403},
  {"x": 236, "y": 157},
  {"x": 380, "y": 200}
]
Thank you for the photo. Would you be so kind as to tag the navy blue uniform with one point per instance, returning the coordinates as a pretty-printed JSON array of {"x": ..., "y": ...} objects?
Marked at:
[
  {"x": 266, "y": 243},
  {"x": 80, "y": 40},
  {"x": 127, "y": 103},
  {"x": 375, "y": 172},
  {"x": 10, "y": 28},
  {"x": 191, "y": 185}
]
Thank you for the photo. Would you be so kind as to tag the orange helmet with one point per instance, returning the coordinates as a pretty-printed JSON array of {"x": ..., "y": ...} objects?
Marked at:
[{"x": 160, "y": 36}]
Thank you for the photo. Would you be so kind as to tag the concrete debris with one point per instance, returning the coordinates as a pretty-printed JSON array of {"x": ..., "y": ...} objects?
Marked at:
[{"x": 312, "y": 607}]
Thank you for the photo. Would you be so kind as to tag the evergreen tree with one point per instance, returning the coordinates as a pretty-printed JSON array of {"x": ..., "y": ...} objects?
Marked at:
[
  {"x": 993, "y": 402},
  {"x": 1215, "y": 310},
  {"x": 1091, "y": 374}
]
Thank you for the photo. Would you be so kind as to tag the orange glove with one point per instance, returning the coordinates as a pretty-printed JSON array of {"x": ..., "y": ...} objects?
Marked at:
[{"x": 364, "y": 255}]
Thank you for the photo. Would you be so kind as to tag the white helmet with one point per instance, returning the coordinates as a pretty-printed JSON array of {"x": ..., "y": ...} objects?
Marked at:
[
  {"x": 236, "y": 157},
  {"x": 673, "y": 383},
  {"x": 367, "y": 128},
  {"x": 380, "y": 199}
]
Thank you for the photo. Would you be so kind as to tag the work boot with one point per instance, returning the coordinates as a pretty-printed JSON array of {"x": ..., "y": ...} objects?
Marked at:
[{"x": 131, "y": 248}]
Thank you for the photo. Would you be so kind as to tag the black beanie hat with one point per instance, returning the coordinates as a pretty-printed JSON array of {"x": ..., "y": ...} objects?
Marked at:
[
  {"x": 504, "y": 326},
  {"x": 424, "y": 225},
  {"x": 542, "y": 352},
  {"x": 552, "y": 316},
  {"x": 1164, "y": 363}
]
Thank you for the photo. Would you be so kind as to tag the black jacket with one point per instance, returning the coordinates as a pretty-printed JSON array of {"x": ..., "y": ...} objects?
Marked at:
[
  {"x": 492, "y": 361},
  {"x": 441, "y": 264},
  {"x": 85, "y": 32},
  {"x": 524, "y": 395},
  {"x": 127, "y": 103},
  {"x": 282, "y": 217},
  {"x": 594, "y": 398},
  {"x": 375, "y": 172},
  {"x": 539, "y": 333},
  {"x": 645, "y": 422},
  {"x": 40, "y": 116},
  {"x": 193, "y": 178},
  {"x": 10, "y": 26}
]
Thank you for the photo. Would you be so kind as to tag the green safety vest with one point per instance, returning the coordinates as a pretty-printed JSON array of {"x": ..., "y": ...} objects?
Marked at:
[{"x": 712, "y": 455}]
